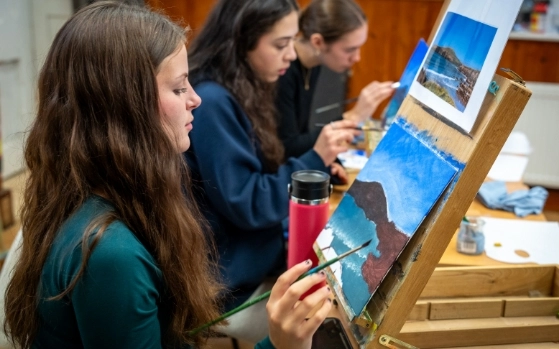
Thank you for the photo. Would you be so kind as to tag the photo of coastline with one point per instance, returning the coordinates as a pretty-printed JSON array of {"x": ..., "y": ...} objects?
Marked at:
[
  {"x": 453, "y": 79},
  {"x": 390, "y": 197},
  {"x": 455, "y": 59}
]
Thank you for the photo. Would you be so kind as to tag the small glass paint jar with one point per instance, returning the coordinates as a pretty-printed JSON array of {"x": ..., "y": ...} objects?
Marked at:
[{"x": 471, "y": 239}]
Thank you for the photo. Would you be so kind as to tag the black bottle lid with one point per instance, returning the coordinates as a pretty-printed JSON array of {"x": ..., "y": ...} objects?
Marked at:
[{"x": 310, "y": 185}]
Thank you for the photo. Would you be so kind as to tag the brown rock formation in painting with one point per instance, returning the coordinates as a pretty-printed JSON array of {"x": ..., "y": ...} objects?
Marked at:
[{"x": 370, "y": 197}]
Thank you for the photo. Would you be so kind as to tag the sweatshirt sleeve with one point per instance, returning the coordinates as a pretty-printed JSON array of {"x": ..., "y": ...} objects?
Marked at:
[
  {"x": 294, "y": 141},
  {"x": 231, "y": 172}
]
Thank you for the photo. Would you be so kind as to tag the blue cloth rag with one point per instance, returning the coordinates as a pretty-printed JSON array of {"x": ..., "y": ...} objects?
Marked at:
[{"x": 522, "y": 202}]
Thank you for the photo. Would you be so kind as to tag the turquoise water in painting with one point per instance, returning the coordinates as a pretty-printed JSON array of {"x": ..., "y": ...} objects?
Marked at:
[{"x": 351, "y": 228}]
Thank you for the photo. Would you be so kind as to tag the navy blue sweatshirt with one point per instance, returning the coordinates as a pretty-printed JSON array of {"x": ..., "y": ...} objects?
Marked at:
[{"x": 243, "y": 203}]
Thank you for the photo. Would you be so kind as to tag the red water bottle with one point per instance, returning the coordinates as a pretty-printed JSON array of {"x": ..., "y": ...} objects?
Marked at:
[{"x": 308, "y": 213}]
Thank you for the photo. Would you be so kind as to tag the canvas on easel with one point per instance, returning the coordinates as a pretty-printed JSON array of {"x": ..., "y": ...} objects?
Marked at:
[{"x": 387, "y": 202}]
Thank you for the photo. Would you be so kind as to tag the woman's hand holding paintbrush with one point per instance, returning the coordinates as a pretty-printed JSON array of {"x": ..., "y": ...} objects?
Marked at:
[
  {"x": 284, "y": 308},
  {"x": 289, "y": 319},
  {"x": 335, "y": 139},
  {"x": 367, "y": 102},
  {"x": 360, "y": 128},
  {"x": 369, "y": 99}
]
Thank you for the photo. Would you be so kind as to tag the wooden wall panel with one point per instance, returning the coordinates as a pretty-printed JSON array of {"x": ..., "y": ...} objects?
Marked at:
[
  {"x": 395, "y": 26},
  {"x": 191, "y": 12},
  {"x": 532, "y": 60}
]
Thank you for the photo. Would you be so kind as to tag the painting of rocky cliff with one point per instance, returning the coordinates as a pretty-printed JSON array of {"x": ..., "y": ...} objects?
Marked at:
[
  {"x": 459, "y": 66},
  {"x": 389, "y": 199},
  {"x": 455, "y": 59}
]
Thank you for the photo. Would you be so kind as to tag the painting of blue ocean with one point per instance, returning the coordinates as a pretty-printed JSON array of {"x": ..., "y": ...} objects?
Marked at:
[
  {"x": 405, "y": 81},
  {"x": 455, "y": 59},
  {"x": 387, "y": 202}
]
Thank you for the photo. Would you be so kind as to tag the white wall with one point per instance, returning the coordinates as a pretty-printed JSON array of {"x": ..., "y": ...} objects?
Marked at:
[
  {"x": 27, "y": 28},
  {"x": 540, "y": 122},
  {"x": 17, "y": 73}
]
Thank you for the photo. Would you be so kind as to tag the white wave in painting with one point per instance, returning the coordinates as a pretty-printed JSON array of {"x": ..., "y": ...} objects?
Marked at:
[
  {"x": 324, "y": 241},
  {"x": 440, "y": 76}
]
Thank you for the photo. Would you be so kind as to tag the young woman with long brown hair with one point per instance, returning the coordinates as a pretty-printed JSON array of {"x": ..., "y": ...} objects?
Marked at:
[{"x": 114, "y": 253}]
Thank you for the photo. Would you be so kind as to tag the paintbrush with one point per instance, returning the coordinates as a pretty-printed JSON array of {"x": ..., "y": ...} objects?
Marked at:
[
  {"x": 335, "y": 105},
  {"x": 361, "y": 128},
  {"x": 347, "y": 101},
  {"x": 267, "y": 294}
]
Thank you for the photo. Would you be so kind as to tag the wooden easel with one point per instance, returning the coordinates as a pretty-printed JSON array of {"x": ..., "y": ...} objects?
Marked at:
[{"x": 398, "y": 293}]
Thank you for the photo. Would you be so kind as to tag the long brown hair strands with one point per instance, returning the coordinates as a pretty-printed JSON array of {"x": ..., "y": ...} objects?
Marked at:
[{"x": 98, "y": 131}]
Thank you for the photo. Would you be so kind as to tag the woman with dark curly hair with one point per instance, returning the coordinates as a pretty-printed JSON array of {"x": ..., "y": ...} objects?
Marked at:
[{"x": 236, "y": 155}]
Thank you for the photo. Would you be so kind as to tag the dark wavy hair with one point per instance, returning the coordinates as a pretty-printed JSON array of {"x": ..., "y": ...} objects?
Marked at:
[
  {"x": 331, "y": 18},
  {"x": 219, "y": 53},
  {"x": 98, "y": 130}
]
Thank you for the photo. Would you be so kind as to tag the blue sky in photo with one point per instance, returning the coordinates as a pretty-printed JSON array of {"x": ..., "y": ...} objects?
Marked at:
[{"x": 470, "y": 39}]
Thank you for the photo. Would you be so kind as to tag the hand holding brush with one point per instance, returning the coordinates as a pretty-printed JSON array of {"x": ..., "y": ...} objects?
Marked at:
[{"x": 281, "y": 281}]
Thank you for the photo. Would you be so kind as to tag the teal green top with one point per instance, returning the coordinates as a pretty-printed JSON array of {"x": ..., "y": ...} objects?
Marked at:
[{"x": 116, "y": 303}]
